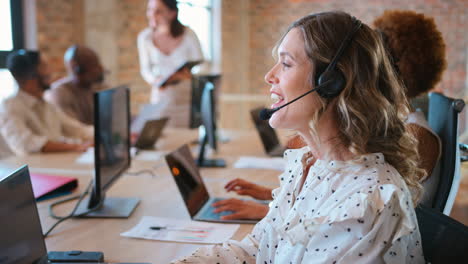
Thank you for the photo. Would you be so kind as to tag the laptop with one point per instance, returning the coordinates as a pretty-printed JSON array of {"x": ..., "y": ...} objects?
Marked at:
[
  {"x": 267, "y": 134},
  {"x": 150, "y": 133},
  {"x": 196, "y": 198},
  {"x": 21, "y": 240}
]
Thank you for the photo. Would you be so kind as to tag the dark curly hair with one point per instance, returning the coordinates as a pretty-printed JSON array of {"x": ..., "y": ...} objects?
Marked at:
[{"x": 416, "y": 47}]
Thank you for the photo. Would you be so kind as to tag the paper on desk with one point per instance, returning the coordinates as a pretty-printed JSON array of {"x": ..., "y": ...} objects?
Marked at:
[
  {"x": 150, "y": 155},
  {"x": 194, "y": 232},
  {"x": 247, "y": 162},
  {"x": 88, "y": 156}
]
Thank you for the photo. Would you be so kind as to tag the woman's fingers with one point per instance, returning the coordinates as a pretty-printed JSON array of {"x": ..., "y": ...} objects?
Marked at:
[
  {"x": 235, "y": 216},
  {"x": 225, "y": 202}
]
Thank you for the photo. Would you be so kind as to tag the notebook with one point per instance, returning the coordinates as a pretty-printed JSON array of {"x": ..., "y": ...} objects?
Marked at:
[
  {"x": 45, "y": 185},
  {"x": 196, "y": 198},
  {"x": 188, "y": 64}
]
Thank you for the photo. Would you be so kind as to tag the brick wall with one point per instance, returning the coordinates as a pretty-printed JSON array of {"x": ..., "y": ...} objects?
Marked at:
[
  {"x": 268, "y": 19},
  {"x": 59, "y": 24},
  {"x": 132, "y": 19}
]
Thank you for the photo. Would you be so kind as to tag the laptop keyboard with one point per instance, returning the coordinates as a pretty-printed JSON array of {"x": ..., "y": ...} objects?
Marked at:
[{"x": 208, "y": 212}]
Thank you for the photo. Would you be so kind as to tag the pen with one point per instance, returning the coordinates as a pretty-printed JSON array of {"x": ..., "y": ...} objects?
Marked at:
[{"x": 194, "y": 230}]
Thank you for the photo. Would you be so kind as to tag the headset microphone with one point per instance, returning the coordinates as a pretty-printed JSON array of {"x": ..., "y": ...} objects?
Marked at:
[{"x": 266, "y": 113}]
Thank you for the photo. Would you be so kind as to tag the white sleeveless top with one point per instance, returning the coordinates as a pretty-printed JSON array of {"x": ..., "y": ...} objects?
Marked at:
[{"x": 154, "y": 64}]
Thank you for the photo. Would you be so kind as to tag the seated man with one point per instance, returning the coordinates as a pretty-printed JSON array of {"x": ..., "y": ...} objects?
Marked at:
[
  {"x": 74, "y": 93},
  {"x": 27, "y": 122}
]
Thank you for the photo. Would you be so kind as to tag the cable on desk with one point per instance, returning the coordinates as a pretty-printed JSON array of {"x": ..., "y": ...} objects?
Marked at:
[
  {"x": 72, "y": 214},
  {"x": 141, "y": 172}
]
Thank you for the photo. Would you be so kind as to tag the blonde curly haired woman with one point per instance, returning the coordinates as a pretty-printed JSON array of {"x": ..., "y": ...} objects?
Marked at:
[{"x": 345, "y": 197}]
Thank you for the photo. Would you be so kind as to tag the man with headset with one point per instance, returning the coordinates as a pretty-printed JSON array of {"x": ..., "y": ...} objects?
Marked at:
[
  {"x": 27, "y": 122},
  {"x": 74, "y": 93}
]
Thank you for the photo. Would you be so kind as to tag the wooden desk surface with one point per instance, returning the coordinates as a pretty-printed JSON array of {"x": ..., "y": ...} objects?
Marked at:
[{"x": 159, "y": 197}]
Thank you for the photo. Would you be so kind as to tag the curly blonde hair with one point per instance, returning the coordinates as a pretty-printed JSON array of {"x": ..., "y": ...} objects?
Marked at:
[{"x": 372, "y": 107}]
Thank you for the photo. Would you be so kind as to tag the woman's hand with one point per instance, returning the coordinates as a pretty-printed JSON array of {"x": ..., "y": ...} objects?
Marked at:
[
  {"x": 243, "y": 187},
  {"x": 84, "y": 146},
  {"x": 183, "y": 74},
  {"x": 241, "y": 209}
]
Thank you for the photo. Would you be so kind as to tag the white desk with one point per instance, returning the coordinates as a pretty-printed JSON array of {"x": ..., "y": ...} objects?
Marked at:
[{"x": 159, "y": 197}]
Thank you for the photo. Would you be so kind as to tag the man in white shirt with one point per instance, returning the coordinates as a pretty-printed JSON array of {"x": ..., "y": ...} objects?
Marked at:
[{"x": 27, "y": 122}]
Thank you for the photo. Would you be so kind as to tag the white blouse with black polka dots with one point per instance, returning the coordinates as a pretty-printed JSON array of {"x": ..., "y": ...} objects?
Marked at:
[{"x": 357, "y": 211}]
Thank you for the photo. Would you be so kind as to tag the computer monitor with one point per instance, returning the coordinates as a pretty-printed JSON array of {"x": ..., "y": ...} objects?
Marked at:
[
  {"x": 208, "y": 114},
  {"x": 267, "y": 134},
  {"x": 20, "y": 227},
  {"x": 111, "y": 153},
  {"x": 198, "y": 84}
]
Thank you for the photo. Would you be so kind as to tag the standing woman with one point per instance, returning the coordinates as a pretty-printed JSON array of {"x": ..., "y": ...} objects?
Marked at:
[
  {"x": 345, "y": 197},
  {"x": 164, "y": 46}
]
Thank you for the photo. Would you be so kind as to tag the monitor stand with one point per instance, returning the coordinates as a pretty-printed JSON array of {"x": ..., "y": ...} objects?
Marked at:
[
  {"x": 212, "y": 163},
  {"x": 113, "y": 207},
  {"x": 208, "y": 163}
]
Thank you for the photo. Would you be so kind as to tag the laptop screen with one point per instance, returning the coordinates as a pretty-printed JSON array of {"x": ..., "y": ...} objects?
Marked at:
[
  {"x": 150, "y": 133},
  {"x": 267, "y": 133},
  {"x": 20, "y": 228},
  {"x": 188, "y": 179}
]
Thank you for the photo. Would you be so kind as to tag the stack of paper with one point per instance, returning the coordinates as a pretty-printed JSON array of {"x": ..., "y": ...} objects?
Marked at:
[
  {"x": 188, "y": 231},
  {"x": 88, "y": 156},
  {"x": 246, "y": 162}
]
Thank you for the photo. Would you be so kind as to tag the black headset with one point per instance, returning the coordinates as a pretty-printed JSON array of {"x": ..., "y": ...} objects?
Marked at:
[
  {"x": 71, "y": 55},
  {"x": 30, "y": 60},
  {"x": 332, "y": 78}
]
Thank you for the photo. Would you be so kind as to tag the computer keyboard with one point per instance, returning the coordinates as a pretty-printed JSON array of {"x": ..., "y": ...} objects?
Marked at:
[{"x": 209, "y": 213}]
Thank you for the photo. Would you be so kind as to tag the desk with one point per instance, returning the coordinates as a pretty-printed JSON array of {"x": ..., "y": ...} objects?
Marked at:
[{"x": 159, "y": 197}]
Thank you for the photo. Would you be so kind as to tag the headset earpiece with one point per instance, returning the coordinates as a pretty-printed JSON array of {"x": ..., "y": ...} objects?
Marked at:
[
  {"x": 77, "y": 69},
  {"x": 70, "y": 55},
  {"x": 333, "y": 88},
  {"x": 332, "y": 74}
]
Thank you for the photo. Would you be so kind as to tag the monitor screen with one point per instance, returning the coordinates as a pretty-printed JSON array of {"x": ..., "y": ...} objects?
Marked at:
[
  {"x": 112, "y": 135},
  {"x": 198, "y": 84},
  {"x": 20, "y": 228},
  {"x": 208, "y": 114},
  {"x": 267, "y": 133},
  {"x": 188, "y": 179}
]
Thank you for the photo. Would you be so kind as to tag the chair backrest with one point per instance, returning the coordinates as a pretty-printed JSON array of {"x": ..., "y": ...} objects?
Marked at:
[
  {"x": 443, "y": 119},
  {"x": 444, "y": 240}
]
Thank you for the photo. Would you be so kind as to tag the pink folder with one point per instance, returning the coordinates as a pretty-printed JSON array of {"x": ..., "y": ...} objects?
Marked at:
[{"x": 45, "y": 184}]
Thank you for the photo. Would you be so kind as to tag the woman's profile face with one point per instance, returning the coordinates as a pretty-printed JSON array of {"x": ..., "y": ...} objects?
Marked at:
[
  {"x": 159, "y": 14},
  {"x": 289, "y": 78}
]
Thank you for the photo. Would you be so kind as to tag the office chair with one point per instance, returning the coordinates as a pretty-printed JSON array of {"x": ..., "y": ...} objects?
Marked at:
[
  {"x": 443, "y": 119},
  {"x": 444, "y": 240}
]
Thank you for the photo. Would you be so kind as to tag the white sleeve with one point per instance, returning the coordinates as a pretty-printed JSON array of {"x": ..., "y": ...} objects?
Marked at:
[
  {"x": 196, "y": 52},
  {"x": 368, "y": 229},
  {"x": 72, "y": 128},
  {"x": 144, "y": 57},
  {"x": 230, "y": 252},
  {"x": 18, "y": 136}
]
